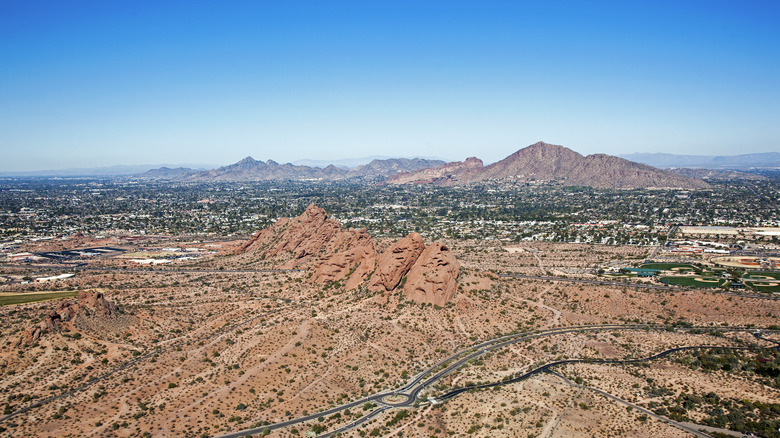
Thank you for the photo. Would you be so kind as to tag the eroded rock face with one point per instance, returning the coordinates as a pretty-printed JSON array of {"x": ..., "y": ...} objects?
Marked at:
[
  {"x": 316, "y": 241},
  {"x": 93, "y": 303},
  {"x": 89, "y": 303},
  {"x": 334, "y": 254},
  {"x": 395, "y": 262},
  {"x": 310, "y": 234},
  {"x": 353, "y": 264},
  {"x": 433, "y": 278}
]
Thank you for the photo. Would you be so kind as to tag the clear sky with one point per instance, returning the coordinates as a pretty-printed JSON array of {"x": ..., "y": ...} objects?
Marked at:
[{"x": 95, "y": 83}]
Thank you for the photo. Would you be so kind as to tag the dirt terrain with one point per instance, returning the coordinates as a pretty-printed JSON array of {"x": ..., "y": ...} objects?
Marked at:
[{"x": 225, "y": 342}]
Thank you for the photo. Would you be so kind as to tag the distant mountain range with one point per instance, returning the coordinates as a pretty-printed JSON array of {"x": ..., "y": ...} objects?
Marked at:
[
  {"x": 713, "y": 174},
  {"x": 542, "y": 161},
  {"x": 108, "y": 171},
  {"x": 250, "y": 169},
  {"x": 738, "y": 162},
  {"x": 349, "y": 163}
]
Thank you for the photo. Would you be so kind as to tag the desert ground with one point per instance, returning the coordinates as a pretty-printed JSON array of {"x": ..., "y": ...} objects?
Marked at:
[{"x": 225, "y": 343}]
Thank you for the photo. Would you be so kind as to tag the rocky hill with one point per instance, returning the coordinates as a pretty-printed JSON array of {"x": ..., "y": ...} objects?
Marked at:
[
  {"x": 250, "y": 169},
  {"x": 392, "y": 166},
  {"x": 542, "y": 161},
  {"x": 443, "y": 172},
  {"x": 89, "y": 304},
  {"x": 166, "y": 172},
  {"x": 332, "y": 254}
]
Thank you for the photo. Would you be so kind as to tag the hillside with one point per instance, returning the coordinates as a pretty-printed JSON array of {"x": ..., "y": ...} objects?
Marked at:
[{"x": 542, "y": 161}]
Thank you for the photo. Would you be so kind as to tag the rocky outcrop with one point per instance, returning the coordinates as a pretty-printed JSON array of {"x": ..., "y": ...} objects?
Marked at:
[
  {"x": 333, "y": 254},
  {"x": 310, "y": 237},
  {"x": 314, "y": 240},
  {"x": 93, "y": 303},
  {"x": 89, "y": 303},
  {"x": 433, "y": 278},
  {"x": 353, "y": 264},
  {"x": 395, "y": 262}
]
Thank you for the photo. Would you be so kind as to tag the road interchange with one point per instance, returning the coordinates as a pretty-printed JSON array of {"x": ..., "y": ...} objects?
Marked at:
[{"x": 419, "y": 383}]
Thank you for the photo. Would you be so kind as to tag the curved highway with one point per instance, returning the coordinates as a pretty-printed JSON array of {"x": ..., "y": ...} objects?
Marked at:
[{"x": 419, "y": 383}]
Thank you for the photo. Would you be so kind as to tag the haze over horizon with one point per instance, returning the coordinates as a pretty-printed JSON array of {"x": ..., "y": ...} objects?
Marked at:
[{"x": 93, "y": 84}]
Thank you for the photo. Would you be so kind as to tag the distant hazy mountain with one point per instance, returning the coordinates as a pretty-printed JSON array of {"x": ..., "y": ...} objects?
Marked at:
[
  {"x": 349, "y": 163},
  {"x": 166, "y": 172},
  {"x": 250, "y": 169},
  {"x": 542, "y": 161},
  {"x": 111, "y": 171},
  {"x": 712, "y": 174},
  {"x": 746, "y": 161}
]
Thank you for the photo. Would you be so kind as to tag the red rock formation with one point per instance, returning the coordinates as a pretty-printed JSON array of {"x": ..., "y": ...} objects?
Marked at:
[
  {"x": 311, "y": 233},
  {"x": 93, "y": 303},
  {"x": 90, "y": 303},
  {"x": 394, "y": 263},
  {"x": 334, "y": 254},
  {"x": 353, "y": 264},
  {"x": 312, "y": 239},
  {"x": 434, "y": 277}
]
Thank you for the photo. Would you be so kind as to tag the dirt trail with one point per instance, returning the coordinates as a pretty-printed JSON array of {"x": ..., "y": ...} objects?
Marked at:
[
  {"x": 534, "y": 252},
  {"x": 461, "y": 327},
  {"x": 556, "y": 313},
  {"x": 303, "y": 332}
]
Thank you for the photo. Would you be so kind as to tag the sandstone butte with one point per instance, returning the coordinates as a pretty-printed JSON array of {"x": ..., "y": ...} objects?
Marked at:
[
  {"x": 89, "y": 303},
  {"x": 331, "y": 253},
  {"x": 396, "y": 262},
  {"x": 434, "y": 276}
]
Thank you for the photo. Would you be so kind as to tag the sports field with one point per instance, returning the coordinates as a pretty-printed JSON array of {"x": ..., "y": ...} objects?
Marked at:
[
  {"x": 9, "y": 299},
  {"x": 694, "y": 281},
  {"x": 670, "y": 267}
]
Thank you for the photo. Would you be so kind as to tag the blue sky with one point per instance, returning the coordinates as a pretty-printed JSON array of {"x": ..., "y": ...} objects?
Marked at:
[{"x": 94, "y": 83}]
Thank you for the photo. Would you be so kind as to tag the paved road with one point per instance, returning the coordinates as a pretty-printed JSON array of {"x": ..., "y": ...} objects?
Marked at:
[
  {"x": 419, "y": 383},
  {"x": 547, "y": 367}
]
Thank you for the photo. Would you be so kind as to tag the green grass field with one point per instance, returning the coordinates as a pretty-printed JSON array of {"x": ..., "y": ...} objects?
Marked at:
[
  {"x": 670, "y": 266},
  {"x": 692, "y": 282},
  {"x": 23, "y": 298},
  {"x": 756, "y": 285},
  {"x": 759, "y": 274}
]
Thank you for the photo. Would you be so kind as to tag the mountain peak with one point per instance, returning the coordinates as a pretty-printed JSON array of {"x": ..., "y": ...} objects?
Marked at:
[
  {"x": 548, "y": 162},
  {"x": 543, "y": 144}
]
